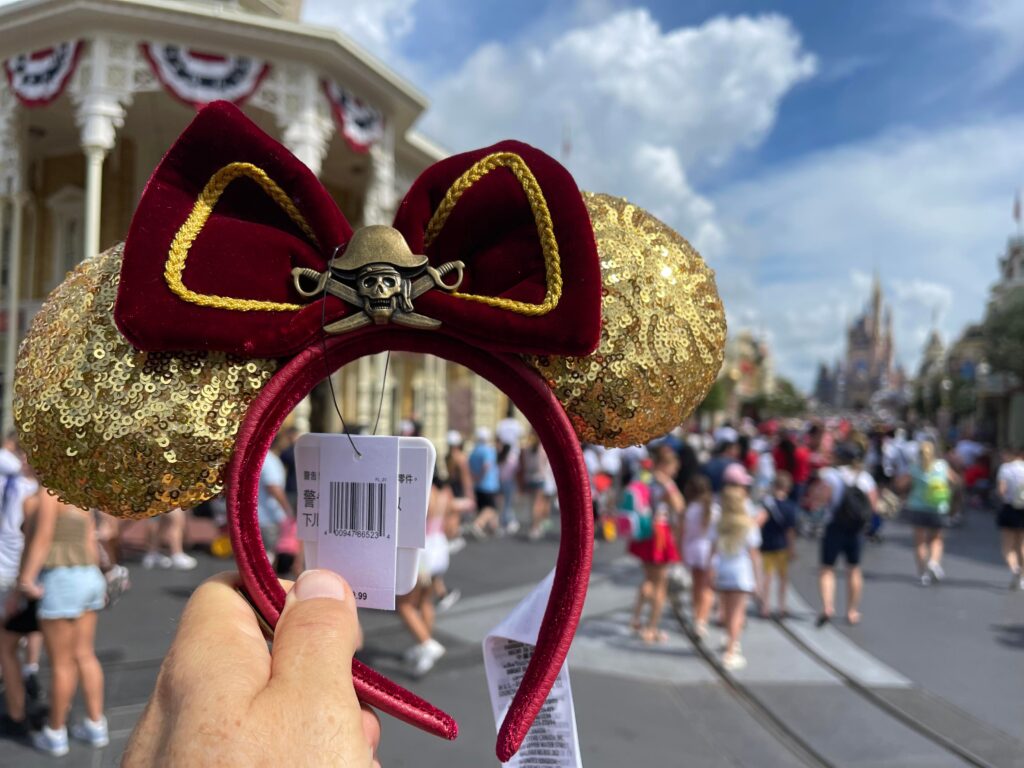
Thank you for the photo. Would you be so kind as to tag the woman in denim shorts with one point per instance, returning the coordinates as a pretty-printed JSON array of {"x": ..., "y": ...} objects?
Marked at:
[{"x": 60, "y": 570}]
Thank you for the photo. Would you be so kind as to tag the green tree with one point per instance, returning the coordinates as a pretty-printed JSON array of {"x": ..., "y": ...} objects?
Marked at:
[
  {"x": 1004, "y": 334},
  {"x": 715, "y": 399},
  {"x": 786, "y": 400}
]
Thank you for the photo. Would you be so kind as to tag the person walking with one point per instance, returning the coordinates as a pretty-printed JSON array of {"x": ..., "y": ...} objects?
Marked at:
[
  {"x": 416, "y": 609},
  {"x": 16, "y": 615},
  {"x": 699, "y": 521},
  {"x": 59, "y": 569},
  {"x": 272, "y": 506},
  {"x": 734, "y": 541},
  {"x": 461, "y": 480},
  {"x": 928, "y": 505},
  {"x": 508, "y": 477},
  {"x": 850, "y": 496},
  {"x": 1010, "y": 519},
  {"x": 170, "y": 528},
  {"x": 533, "y": 464},
  {"x": 483, "y": 466},
  {"x": 778, "y": 543},
  {"x": 658, "y": 550}
]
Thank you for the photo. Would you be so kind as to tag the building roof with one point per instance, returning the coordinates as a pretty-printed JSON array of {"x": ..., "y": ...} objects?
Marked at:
[{"x": 33, "y": 24}]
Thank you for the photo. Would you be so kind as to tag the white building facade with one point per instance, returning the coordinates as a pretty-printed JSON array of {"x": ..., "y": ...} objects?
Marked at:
[{"x": 97, "y": 90}]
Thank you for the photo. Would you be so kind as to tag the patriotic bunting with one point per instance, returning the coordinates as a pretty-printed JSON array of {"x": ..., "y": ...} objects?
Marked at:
[
  {"x": 198, "y": 78},
  {"x": 39, "y": 77},
  {"x": 360, "y": 124}
]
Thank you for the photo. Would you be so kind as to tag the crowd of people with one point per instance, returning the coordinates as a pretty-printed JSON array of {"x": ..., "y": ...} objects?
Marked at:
[
  {"x": 59, "y": 567},
  {"x": 728, "y": 505}
]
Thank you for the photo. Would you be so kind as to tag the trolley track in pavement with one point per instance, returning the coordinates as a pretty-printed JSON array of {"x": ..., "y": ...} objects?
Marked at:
[
  {"x": 789, "y": 737},
  {"x": 755, "y": 707}
]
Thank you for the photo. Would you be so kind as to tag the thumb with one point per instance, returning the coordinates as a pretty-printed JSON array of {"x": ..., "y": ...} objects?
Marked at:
[{"x": 314, "y": 642}]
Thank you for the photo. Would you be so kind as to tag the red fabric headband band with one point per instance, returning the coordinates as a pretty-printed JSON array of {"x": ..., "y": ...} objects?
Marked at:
[{"x": 535, "y": 399}]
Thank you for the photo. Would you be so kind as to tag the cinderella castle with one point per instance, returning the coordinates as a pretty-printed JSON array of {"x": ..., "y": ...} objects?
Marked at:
[{"x": 868, "y": 368}]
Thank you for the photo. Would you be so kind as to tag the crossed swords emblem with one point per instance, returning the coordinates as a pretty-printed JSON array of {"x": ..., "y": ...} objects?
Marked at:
[{"x": 380, "y": 274}]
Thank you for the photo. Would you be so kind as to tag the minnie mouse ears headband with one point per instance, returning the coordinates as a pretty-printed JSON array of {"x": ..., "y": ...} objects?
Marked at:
[{"x": 159, "y": 372}]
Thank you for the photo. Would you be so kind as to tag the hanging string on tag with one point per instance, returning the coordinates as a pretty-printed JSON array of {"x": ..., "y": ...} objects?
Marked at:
[{"x": 330, "y": 380}]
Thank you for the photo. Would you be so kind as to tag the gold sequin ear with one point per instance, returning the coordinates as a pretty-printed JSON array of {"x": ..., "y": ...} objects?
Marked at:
[
  {"x": 662, "y": 334},
  {"x": 108, "y": 427}
]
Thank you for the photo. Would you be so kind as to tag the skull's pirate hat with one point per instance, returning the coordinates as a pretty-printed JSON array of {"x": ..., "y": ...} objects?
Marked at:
[
  {"x": 151, "y": 380},
  {"x": 377, "y": 244}
]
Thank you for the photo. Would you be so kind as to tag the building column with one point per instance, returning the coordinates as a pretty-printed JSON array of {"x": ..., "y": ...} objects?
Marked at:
[
  {"x": 378, "y": 208},
  {"x": 13, "y": 299},
  {"x": 435, "y": 405},
  {"x": 364, "y": 377},
  {"x": 99, "y": 114},
  {"x": 306, "y": 132},
  {"x": 382, "y": 405},
  {"x": 306, "y": 124},
  {"x": 94, "y": 157},
  {"x": 484, "y": 403}
]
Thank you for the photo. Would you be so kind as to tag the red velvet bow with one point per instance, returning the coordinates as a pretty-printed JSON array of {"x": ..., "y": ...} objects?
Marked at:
[{"x": 248, "y": 212}]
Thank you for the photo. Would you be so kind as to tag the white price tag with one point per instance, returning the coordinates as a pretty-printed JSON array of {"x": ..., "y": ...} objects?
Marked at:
[
  {"x": 372, "y": 529},
  {"x": 553, "y": 739}
]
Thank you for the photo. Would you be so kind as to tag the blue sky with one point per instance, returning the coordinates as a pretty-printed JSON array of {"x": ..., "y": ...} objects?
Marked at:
[{"x": 800, "y": 145}]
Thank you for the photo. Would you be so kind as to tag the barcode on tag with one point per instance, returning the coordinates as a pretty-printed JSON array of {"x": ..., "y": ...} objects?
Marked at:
[{"x": 356, "y": 509}]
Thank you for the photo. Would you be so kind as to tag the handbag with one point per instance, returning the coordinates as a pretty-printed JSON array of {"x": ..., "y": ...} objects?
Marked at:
[{"x": 26, "y": 620}]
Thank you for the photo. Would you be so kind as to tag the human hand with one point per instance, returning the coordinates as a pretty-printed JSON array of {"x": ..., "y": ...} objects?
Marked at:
[
  {"x": 223, "y": 699},
  {"x": 30, "y": 589}
]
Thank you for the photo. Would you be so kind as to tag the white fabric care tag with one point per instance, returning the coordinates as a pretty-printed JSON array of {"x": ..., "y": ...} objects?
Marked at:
[
  {"x": 333, "y": 453},
  {"x": 508, "y": 648}
]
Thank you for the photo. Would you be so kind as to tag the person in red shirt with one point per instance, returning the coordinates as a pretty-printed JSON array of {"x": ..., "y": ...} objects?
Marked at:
[{"x": 794, "y": 459}]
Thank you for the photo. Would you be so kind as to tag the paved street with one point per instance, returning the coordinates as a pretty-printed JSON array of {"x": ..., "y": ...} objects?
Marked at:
[{"x": 949, "y": 658}]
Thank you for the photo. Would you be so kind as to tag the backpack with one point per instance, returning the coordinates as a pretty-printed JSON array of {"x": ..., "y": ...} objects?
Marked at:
[
  {"x": 854, "y": 510},
  {"x": 635, "y": 520},
  {"x": 937, "y": 492}
]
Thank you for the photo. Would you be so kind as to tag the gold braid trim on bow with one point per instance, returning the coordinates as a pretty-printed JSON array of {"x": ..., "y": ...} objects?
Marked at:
[
  {"x": 189, "y": 231},
  {"x": 541, "y": 215}
]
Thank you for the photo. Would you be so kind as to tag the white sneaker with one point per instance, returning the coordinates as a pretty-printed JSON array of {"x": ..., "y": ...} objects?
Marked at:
[
  {"x": 512, "y": 528},
  {"x": 430, "y": 652},
  {"x": 927, "y": 578},
  {"x": 734, "y": 661},
  {"x": 183, "y": 562},
  {"x": 155, "y": 560},
  {"x": 50, "y": 741},
  {"x": 93, "y": 732},
  {"x": 936, "y": 571},
  {"x": 449, "y": 600}
]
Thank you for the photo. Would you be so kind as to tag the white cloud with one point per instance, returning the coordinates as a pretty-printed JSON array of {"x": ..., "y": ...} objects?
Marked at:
[
  {"x": 1001, "y": 25},
  {"x": 643, "y": 105},
  {"x": 377, "y": 25},
  {"x": 929, "y": 211}
]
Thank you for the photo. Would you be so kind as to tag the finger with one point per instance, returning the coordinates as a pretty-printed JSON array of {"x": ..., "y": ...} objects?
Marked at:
[
  {"x": 219, "y": 646},
  {"x": 315, "y": 639},
  {"x": 371, "y": 729}
]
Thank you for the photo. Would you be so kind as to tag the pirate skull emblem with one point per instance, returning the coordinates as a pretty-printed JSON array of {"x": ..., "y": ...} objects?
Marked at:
[
  {"x": 382, "y": 288},
  {"x": 380, "y": 274}
]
